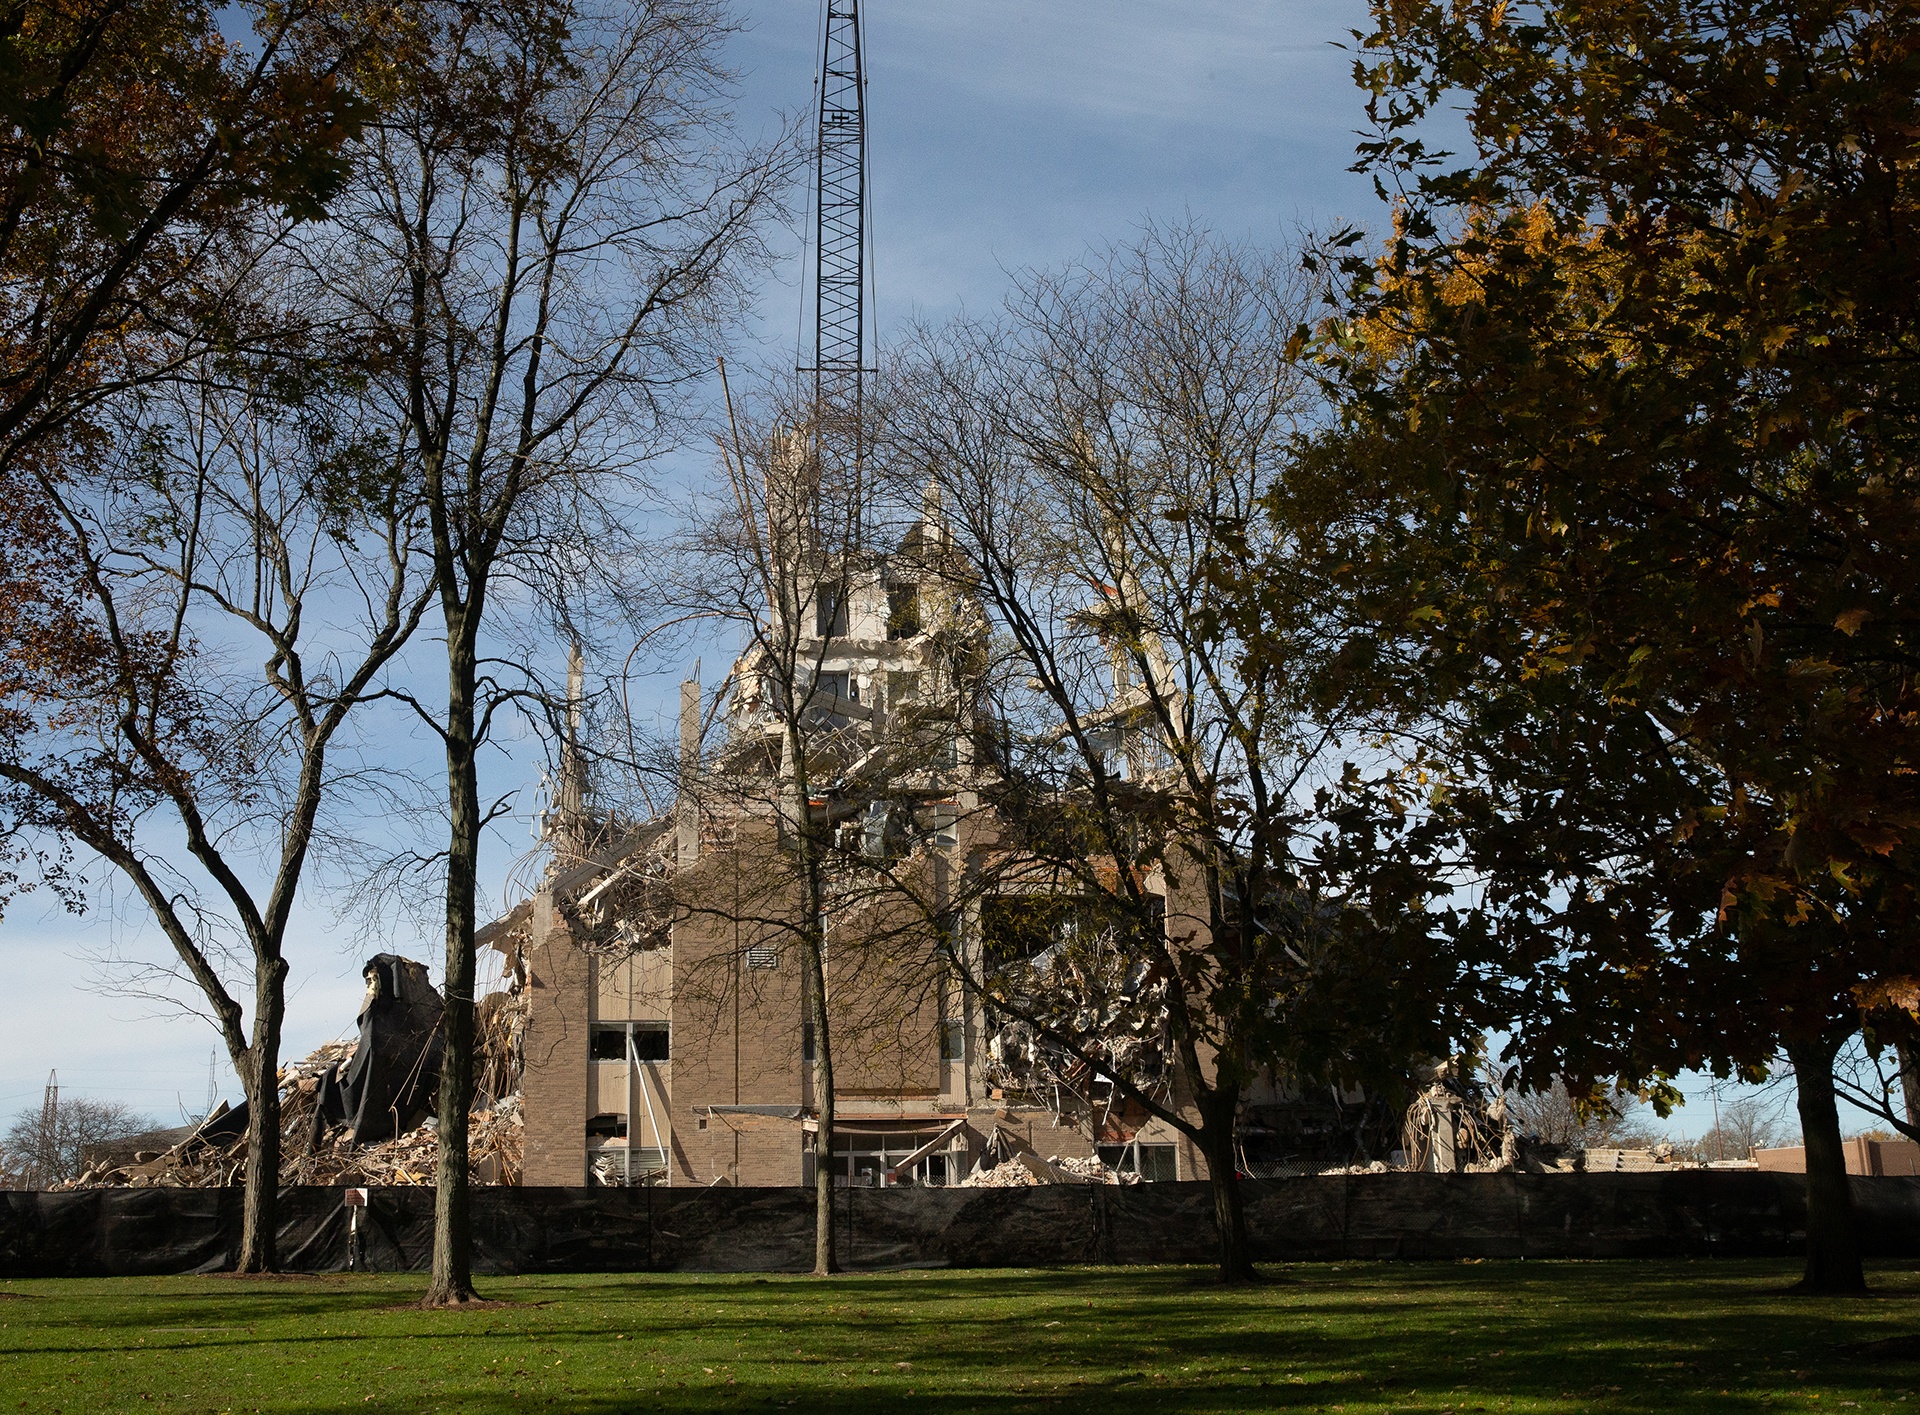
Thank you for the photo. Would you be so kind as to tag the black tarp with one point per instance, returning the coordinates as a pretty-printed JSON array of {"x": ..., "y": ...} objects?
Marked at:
[
  {"x": 392, "y": 1080},
  {"x": 102, "y": 1232}
]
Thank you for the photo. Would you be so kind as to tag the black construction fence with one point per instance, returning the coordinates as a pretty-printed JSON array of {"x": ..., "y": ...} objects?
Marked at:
[{"x": 1688, "y": 1213}]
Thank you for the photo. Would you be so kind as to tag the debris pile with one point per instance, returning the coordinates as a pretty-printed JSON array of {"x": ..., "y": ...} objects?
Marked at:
[
  {"x": 1009, "y": 1174},
  {"x": 496, "y": 1142},
  {"x": 1004, "y": 1165},
  {"x": 192, "y": 1164},
  {"x": 357, "y": 1112},
  {"x": 1092, "y": 1171},
  {"x": 1377, "y": 1167}
]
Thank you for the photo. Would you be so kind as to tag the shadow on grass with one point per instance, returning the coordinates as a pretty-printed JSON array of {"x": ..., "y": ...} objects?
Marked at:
[{"x": 1567, "y": 1336}]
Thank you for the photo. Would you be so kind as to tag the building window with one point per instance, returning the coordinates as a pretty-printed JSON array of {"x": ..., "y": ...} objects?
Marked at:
[
  {"x": 806, "y": 1041},
  {"x": 836, "y": 685},
  {"x": 903, "y": 611},
  {"x": 1157, "y": 1163},
  {"x": 863, "y": 1161},
  {"x": 650, "y": 1042},
  {"x": 829, "y": 611},
  {"x": 1153, "y": 1163},
  {"x": 607, "y": 1127},
  {"x": 953, "y": 1040},
  {"x": 762, "y": 956},
  {"x": 648, "y": 1161}
]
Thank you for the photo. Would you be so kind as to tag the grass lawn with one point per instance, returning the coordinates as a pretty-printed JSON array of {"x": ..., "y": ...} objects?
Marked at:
[{"x": 1355, "y": 1337}]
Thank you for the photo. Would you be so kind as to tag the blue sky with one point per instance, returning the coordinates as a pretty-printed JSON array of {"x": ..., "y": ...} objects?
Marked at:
[
  {"x": 1010, "y": 134},
  {"x": 1003, "y": 135}
]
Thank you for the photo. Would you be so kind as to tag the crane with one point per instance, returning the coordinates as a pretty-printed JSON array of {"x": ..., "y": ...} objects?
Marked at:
[{"x": 841, "y": 269}]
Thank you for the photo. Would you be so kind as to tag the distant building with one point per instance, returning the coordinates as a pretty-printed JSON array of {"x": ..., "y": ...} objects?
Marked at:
[{"x": 1864, "y": 1157}]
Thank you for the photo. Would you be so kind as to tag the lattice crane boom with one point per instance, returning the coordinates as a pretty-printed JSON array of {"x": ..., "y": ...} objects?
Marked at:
[{"x": 840, "y": 347}]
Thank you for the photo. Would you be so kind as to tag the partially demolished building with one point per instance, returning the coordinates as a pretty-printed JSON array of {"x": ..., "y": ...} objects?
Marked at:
[{"x": 665, "y": 1037}]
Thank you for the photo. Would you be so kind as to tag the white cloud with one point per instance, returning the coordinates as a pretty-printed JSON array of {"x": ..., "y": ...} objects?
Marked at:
[{"x": 1125, "y": 60}]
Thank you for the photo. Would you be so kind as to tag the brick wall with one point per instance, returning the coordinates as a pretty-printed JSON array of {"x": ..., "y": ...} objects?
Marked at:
[{"x": 554, "y": 1082}]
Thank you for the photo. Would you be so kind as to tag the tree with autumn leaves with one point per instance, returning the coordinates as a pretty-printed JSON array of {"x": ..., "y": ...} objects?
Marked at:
[
  {"x": 1634, "y": 395},
  {"x": 149, "y": 167},
  {"x": 135, "y": 139}
]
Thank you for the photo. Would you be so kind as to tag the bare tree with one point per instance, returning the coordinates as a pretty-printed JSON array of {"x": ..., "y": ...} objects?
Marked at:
[
  {"x": 1746, "y": 1124},
  {"x": 1880, "y": 1072},
  {"x": 47, "y": 1145},
  {"x": 793, "y": 554},
  {"x": 548, "y": 229},
  {"x": 1554, "y": 1116},
  {"x": 244, "y": 569},
  {"x": 1168, "y": 768}
]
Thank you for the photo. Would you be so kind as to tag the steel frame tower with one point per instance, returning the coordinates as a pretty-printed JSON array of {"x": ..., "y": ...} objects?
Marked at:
[{"x": 840, "y": 264}]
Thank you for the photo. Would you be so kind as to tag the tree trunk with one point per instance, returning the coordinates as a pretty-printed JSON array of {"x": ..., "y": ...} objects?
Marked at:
[
  {"x": 452, "y": 1282},
  {"x": 1217, "y": 1113},
  {"x": 1909, "y": 1058},
  {"x": 823, "y": 1254},
  {"x": 259, "y": 1222},
  {"x": 1833, "y": 1250}
]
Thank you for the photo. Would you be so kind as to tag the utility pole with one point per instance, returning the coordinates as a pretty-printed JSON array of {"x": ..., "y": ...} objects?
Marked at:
[
  {"x": 47, "y": 1161},
  {"x": 840, "y": 350}
]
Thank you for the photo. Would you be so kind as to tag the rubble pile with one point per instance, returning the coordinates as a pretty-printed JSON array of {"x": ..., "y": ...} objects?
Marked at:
[
  {"x": 604, "y": 1171},
  {"x": 1009, "y": 1174},
  {"x": 1093, "y": 1171},
  {"x": 186, "y": 1166},
  {"x": 496, "y": 1142},
  {"x": 357, "y": 1112},
  {"x": 1020, "y": 1170}
]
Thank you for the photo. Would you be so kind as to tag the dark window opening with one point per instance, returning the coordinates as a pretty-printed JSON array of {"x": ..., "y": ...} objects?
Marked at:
[
  {"x": 903, "y": 611},
  {"x": 1157, "y": 1163},
  {"x": 837, "y": 685},
  {"x": 806, "y": 1041},
  {"x": 651, "y": 1042},
  {"x": 829, "y": 612},
  {"x": 607, "y": 1127},
  {"x": 953, "y": 1040}
]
